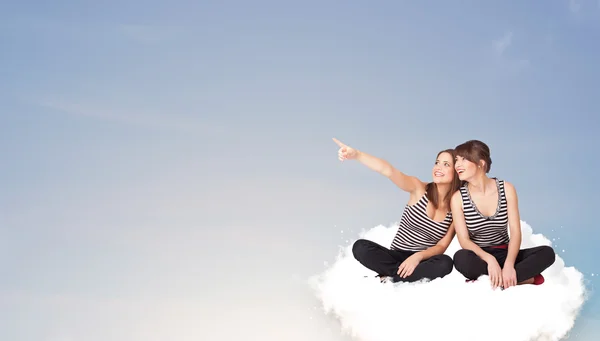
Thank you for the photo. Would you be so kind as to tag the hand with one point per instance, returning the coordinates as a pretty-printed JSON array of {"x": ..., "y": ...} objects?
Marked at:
[
  {"x": 495, "y": 272},
  {"x": 509, "y": 276},
  {"x": 408, "y": 266},
  {"x": 345, "y": 152}
]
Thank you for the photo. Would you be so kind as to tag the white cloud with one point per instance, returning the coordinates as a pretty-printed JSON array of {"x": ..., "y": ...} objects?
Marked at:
[
  {"x": 503, "y": 43},
  {"x": 371, "y": 311}
]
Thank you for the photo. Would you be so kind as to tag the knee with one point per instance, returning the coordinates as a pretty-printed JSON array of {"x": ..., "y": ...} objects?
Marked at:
[
  {"x": 548, "y": 255},
  {"x": 445, "y": 264},
  {"x": 461, "y": 259},
  {"x": 463, "y": 262},
  {"x": 359, "y": 248}
]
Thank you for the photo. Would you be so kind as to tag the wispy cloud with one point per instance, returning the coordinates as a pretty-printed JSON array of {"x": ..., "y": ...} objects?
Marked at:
[
  {"x": 503, "y": 43},
  {"x": 133, "y": 117},
  {"x": 501, "y": 47},
  {"x": 574, "y": 6}
]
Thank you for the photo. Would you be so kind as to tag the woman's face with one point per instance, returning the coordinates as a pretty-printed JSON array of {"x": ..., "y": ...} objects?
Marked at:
[{"x": 443, "y": 169}]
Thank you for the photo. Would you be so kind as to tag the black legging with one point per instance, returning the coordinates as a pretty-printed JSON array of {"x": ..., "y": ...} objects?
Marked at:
[
  {"x": 386, "y": 262},
  {"x": 529, "y": 262}
]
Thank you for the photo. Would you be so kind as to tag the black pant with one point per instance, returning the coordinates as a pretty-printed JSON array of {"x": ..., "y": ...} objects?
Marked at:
[
  {"x": 529, "y": 262},
  {"x": 386, "y": 262}
]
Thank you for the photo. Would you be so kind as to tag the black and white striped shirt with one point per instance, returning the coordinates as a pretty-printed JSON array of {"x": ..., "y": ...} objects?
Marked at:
[
  {"x": 416, "y": 231},
  {"x": 486, "y": 230}
]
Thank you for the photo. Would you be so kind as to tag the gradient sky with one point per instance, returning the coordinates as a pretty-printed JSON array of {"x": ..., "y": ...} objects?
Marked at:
[{"x": 169, "y": 171}]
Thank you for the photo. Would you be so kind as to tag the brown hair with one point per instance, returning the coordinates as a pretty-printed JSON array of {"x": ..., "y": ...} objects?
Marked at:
[
  {"x": 475, "y": 151},
  {"x": 431, "y": 188}
]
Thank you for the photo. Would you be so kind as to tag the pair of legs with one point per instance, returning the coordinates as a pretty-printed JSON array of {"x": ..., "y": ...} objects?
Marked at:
[
  {"x": 385, "y": 262},
  {"x": 528, "y": 264}
]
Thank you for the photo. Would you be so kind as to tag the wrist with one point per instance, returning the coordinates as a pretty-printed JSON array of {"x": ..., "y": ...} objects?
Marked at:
[
  {"x": 418, "y": 255},
  {"x": 490, "y": 259}
]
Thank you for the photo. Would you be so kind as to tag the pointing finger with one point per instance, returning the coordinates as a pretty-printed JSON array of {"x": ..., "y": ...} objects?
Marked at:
[{"x": 338, "y": 142}]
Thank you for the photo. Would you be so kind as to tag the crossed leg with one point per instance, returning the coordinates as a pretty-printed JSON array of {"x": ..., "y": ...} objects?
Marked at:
[
  {"x": 528, "y": 264},
  {"x": 386, "y": 262}
]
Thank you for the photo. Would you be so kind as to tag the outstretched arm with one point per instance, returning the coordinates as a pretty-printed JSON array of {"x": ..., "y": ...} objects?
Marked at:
[{"x": 405, "y": 182}]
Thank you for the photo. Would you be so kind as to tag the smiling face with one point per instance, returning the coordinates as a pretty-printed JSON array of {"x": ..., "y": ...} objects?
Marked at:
[
  {"x": 465, "y": 169},
  {"x": 472, "y": 157},
  {"x": 443, "y": 169}
]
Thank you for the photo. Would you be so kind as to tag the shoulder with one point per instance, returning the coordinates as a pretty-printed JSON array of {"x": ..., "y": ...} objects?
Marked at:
[
  {"x": 506, "y": 184},
  {"x": 509, "y": 189},
  {"x": 456, "y": 200},
  {"x": 419, "y": 187},
  {"x": 418, "y": 194},
  {"x": 422, "y": 188},
  {"x": 503, "y": 182},
  {"x": 456, "y": 196}
]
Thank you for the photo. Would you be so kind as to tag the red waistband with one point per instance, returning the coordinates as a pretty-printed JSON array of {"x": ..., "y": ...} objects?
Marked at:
[{"x": 501, "y": 246}]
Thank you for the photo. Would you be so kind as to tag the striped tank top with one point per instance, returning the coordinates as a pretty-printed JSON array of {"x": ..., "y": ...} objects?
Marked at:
[
  {"x": 486, "y": 230},
  {"x": 416, "y": 231}
]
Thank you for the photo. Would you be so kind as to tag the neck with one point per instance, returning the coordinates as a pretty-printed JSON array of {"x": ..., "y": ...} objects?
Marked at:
[
  {"x": 479, "y": 183},
  {"x": 442, "y": 190}
]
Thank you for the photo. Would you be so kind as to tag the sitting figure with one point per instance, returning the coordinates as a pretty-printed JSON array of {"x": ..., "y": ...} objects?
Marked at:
[
  {"x": 483, "y": 209},
  {"x": 426, "y": 227}
]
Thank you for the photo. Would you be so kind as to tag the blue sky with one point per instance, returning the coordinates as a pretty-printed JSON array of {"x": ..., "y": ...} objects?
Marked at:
[{"x": 158, "y": 155}]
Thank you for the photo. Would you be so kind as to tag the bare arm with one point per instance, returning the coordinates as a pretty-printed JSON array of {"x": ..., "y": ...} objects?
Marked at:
[
  {"x": 405, "y": 182},
  {"x": 461, "y": 229},
  {"x": 514, "y": 221}
]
